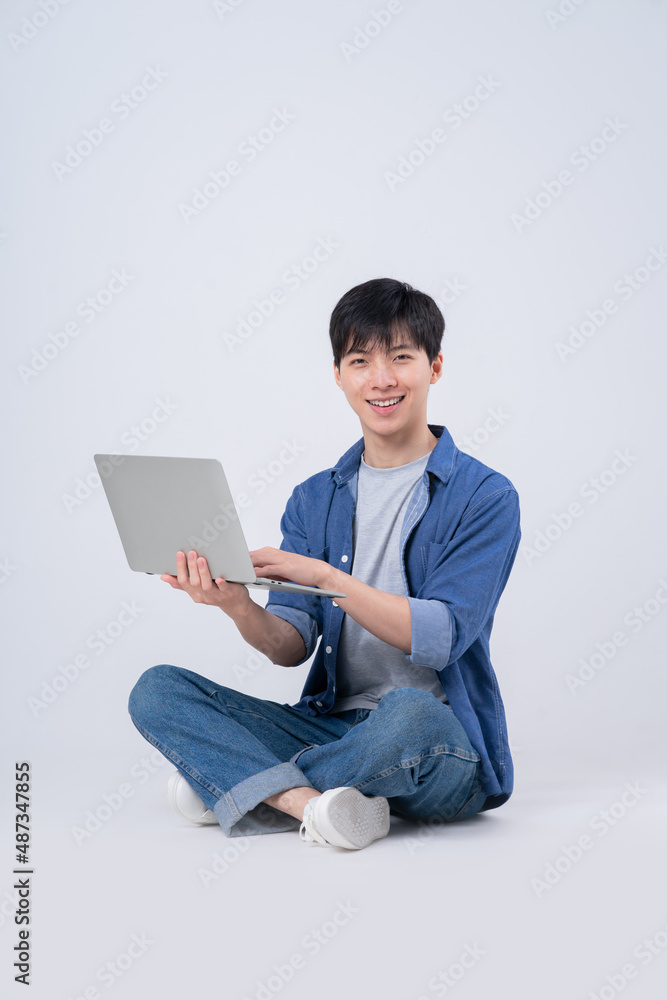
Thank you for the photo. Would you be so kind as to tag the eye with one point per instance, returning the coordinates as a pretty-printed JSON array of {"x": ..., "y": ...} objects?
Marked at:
[{"x": 362, "y": 361}]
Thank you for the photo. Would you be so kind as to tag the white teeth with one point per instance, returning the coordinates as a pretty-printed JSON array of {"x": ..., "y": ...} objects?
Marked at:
[{"x": 385, "y": 402}]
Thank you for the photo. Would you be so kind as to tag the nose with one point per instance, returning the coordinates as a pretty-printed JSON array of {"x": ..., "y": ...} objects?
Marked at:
[{"x": 381, "y": 375}]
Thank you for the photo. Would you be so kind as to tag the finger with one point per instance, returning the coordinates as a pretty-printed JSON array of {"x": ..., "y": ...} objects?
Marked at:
[
  {"x": 264, "y": 553},
  {"x": 192, "y": 569},
  {"x": 182, "y": 569},
  {"x": 171, "y": 580},
  {"x": 204, "y": 574}
]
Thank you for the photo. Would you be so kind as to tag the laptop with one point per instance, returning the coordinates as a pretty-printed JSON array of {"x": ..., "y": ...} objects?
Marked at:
[{"x": 164, "y": 505}]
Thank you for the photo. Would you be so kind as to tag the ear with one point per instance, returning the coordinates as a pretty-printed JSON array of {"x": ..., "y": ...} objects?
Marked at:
[
  {"x": 337, "y": 376},
  {"x": 436, "y": 368}
]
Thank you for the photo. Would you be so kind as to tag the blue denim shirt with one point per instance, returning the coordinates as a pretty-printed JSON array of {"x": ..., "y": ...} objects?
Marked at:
[{"x": 459, "y": 540}]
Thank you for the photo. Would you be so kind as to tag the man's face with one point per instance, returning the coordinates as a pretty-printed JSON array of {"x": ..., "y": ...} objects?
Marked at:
[{"x": 399, "y": 377}]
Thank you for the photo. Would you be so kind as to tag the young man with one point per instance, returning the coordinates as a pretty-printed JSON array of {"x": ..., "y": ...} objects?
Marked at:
[{"x": 401, "y": 710}]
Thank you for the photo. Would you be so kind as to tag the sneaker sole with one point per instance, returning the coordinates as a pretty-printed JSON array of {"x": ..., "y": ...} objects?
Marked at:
[{"x": 354, "y": 818}]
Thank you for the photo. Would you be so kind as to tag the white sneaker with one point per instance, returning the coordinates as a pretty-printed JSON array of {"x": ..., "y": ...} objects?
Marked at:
[
  {"x": 184, "y": 800},
  {"x": 343, "y": 817}
]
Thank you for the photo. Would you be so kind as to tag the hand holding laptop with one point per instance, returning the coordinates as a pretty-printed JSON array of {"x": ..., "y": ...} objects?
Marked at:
[
  {"x": 194, "y": 576},
  {"x": 163, "y": 505}
]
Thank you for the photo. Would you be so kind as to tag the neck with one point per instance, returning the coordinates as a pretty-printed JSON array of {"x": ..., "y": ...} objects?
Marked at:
[{"x": 389, "y": 452}]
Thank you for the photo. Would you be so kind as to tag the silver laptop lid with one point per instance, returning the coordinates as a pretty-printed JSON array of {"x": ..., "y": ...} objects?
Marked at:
[{"x": 163, "y": 505}]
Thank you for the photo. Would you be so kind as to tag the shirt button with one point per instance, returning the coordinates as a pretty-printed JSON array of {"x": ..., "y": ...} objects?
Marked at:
[
  {"x": 319, "y": 703},
  {"x": 343, "y": 558},
  {"x": 334, "y": 604},
  {"x": 328, "y": 649}
]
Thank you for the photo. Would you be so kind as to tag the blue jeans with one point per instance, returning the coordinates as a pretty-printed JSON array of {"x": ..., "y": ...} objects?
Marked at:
[{"x": 235, "y": 750}]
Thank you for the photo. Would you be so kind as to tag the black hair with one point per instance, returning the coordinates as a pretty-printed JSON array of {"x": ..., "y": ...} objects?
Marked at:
[{"x": 371, "y": 314}]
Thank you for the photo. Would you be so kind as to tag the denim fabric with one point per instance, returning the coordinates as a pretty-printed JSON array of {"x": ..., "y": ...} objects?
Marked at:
[
  {"x": 235, "y": 750},
  {"x": 459, "y": 540}
]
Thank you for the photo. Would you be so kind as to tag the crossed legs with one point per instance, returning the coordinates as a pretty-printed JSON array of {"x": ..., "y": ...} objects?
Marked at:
[{"x": 256, "y": 762}]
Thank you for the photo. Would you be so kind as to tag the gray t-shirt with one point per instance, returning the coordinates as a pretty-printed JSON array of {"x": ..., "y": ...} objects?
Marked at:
[{"x": 366, "y": 667}]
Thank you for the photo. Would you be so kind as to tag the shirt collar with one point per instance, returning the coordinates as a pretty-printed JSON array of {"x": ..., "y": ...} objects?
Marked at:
[{"x": 440, "y": 463}]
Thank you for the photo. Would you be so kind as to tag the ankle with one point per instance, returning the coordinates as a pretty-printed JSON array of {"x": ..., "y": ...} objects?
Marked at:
[{"x": 293, "y": 800}]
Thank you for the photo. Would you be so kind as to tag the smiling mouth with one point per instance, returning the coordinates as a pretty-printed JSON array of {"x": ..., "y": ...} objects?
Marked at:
[{"x": 385, "y": 404}]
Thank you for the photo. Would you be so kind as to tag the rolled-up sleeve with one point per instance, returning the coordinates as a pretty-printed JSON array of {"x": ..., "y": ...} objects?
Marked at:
[
  {"x": 431, "y": 632},
  {"x": 302, "y": 622}
]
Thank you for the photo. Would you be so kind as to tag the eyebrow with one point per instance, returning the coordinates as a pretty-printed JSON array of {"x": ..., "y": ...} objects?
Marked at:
[{"x": 390, "y": 350}]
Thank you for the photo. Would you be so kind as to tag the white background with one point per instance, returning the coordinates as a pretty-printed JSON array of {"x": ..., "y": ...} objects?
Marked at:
[{"x": 514, "y": 280}]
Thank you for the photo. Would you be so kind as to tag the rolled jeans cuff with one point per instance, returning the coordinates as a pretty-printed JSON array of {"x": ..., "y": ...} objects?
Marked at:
[{"x": 242, "y": 811}]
